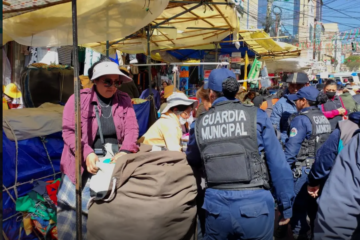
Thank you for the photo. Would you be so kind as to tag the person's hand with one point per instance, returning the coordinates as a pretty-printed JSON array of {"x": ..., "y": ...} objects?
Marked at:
[
  {"x": 91, "y": 160},
  {"x": 313, "y": 191},
  {"x": 341, "y": 111},
  {"x": 284, "y": 221},
  {"x": 113, "y": 159}
]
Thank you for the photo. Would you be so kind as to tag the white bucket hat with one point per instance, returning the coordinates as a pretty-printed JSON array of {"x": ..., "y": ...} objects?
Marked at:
[
  {"x": 109, "y": 68},
  {"x": 177, "y": 99}
]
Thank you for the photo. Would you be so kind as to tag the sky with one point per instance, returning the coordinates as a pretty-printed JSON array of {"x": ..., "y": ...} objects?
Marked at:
[{"x": 344, "y": 12}]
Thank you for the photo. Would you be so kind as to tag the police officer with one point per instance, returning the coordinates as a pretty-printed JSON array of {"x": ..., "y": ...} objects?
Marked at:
[
  {"x": 284, "y": 108},
  {"x": 308, "y": 130},
  {"x": 228, "y": 141},
  {"x": 339, "y": 208},
  {"x": 328, "y": 152}
]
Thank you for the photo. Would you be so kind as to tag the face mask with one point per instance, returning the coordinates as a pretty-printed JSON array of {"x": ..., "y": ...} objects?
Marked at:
[
  {"x": 330, "y": 94},
  {"x": 182, "y": 120}
]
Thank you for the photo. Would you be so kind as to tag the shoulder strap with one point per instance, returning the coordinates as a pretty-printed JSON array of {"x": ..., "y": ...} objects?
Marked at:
[
  {"x": 269, "y": 103},
  {"x": 99, "y": 124}
]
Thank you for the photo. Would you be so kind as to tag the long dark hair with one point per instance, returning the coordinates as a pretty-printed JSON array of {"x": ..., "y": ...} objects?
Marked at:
[
  {"x": 320, "y": 99},
  {"x": 330, "y": 82}
]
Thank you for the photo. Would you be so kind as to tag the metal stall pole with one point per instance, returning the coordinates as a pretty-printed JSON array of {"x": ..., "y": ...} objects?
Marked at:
[
  {"x": 107, "y": 48},
  {"x": 148, "y": 59},
  {"x": 107, "y": 32},
  {"x": 78, "y": 151},
  {"x": 216, "y": 52}
]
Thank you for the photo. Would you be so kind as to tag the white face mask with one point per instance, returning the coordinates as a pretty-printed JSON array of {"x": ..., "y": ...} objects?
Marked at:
[{"x": 182, "y": 120}]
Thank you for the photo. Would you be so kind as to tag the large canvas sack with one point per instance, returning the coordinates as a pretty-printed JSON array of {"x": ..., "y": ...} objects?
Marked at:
[
  {"x": 155, "y": 199},
  {"x": 40, "y": 85}
]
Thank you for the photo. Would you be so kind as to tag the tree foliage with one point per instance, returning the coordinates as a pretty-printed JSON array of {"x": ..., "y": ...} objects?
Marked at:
[{"x": 353, "y": 63}]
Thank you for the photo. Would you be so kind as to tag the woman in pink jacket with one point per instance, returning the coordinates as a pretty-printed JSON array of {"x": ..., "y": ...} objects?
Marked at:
[
  {"x": 334, "y": 108},
  {"x": 119, "y": 128}
]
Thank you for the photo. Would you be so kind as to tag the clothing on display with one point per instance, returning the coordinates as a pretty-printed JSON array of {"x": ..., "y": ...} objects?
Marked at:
[
  {"x": 91, "y": 57},
  {"x": 65, "y": 54},
  {"x": 38, "y": 208},
  {"x": 120, "y": 56},
  {"x": 34, "y": 55},
  {"x": 6, "y": 70},
  {"x": 142, "y": 80}
]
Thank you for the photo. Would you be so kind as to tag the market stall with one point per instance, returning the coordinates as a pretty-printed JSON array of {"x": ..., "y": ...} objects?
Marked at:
[
  {"x": 32, "y": 148},
  {"x": 137, "y": 28}
]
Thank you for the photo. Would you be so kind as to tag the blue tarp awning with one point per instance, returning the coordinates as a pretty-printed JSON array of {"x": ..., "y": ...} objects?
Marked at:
[{"x": 225, "y": 48}]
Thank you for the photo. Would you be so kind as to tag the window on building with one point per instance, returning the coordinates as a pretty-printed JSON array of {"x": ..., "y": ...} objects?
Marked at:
[{"x": 311, "y": 33}]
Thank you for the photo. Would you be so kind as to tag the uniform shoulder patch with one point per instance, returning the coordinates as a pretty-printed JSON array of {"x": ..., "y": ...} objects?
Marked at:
[{"x": 293, "y": 132}]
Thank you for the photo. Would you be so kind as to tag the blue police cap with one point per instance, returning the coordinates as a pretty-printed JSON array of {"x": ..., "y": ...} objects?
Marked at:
[
  {"x": 309, "y": 93},
  {"x": 217, "y": 77},
  {"x": 298, "y": 78}
]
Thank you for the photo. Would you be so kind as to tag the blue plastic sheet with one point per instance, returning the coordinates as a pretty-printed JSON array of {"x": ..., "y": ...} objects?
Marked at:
[
  {"x": 225, "y": 48},
  {"x": 33, "y": 163},
  {"x": 142, "y": 112}
]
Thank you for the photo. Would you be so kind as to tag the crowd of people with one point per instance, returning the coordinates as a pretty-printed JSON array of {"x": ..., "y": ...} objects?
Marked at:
[{"x": 292, "y": 156}]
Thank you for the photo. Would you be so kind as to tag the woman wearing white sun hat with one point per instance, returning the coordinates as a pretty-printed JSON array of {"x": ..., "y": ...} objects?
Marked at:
[
  {"x": 104, "y": 104},
  {"x": 166, "y": 131}
]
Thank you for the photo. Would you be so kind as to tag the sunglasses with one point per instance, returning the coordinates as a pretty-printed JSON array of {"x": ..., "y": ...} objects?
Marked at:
[{"x": 109, "y": 82}]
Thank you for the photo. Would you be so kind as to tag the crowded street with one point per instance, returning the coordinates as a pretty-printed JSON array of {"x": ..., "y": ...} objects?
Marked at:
[{"x": 180, "y": 120}]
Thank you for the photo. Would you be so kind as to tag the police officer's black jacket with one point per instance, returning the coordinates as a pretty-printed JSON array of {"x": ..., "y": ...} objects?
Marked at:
[{"x": 227, "y": 139}]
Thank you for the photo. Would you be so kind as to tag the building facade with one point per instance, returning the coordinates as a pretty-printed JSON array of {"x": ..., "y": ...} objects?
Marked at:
[
  {"x": 299, "y": 20},
  {"x": 331, "y": 47}
]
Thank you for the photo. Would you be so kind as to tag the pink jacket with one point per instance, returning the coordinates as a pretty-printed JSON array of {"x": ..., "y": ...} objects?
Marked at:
[
  {"x": 333, "y": 113},
  {"x": 127, "y": 129}
]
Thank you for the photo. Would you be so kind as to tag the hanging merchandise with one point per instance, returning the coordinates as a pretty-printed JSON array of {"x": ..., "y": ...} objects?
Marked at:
[
  {"x": 254, "y": 73},
  {"x": 265, "y": 80},
  {"x": 154, "y": 73},
  {"x": 194, "y": 76},
  {"x": 65, "y": 53},
  {"x": 141, "y": 58},
  {"x": 91, "y": 57},
  {"x": 193, "y": 80},
  {"x": 52, "y": 190},
  {"x": 120, "y": 56},
  {"x": 142, "y": 81},
  {"x": 6, "y": 70},
  {"x": 34, "y": 55},
  {"x": 184, "y": 79}
]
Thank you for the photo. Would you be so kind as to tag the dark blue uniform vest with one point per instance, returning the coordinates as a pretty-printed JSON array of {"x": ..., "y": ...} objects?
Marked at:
[
  {"x": 227, "y": 139},
  {"x": 321, "y": 130}
]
